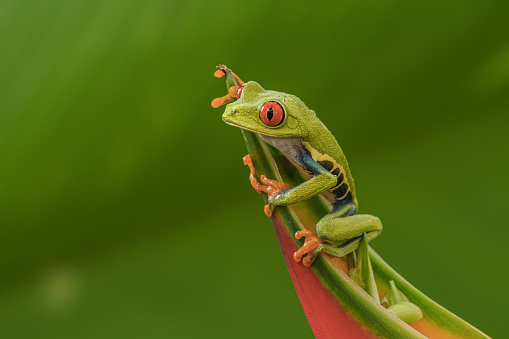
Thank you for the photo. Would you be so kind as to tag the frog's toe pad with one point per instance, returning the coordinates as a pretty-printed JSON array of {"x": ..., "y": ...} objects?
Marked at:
[{"x": 309, "y": 247}]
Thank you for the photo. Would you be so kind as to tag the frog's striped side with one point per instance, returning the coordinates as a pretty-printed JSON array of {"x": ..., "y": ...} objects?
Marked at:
[{"x": 342, "y": 190}]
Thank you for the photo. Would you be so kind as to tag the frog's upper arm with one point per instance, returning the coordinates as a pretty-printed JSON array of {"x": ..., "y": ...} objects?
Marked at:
[{"x": 319, "y": 183}]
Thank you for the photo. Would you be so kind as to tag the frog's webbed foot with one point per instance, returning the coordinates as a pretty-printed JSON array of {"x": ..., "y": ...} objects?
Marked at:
[
  {"x": 310, "y": 245},
  {"x": 233, "y": 83},
  {"x": 271, "y": 187}
]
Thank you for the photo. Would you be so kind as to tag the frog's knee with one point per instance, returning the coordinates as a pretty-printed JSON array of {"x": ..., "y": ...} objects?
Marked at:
[
  {"x": 323, "y": 227},
  {"x": 377, "y": 224}
]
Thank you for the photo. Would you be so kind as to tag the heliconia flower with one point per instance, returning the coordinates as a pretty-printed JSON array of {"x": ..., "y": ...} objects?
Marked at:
[{"x": 357, "y": 296}]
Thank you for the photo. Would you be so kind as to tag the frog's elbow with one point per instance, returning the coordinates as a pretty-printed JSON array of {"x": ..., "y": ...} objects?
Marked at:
[{"x": 330, "y": 180}]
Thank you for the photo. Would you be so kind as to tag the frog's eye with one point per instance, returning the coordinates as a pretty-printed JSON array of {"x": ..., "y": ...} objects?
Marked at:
[
  {"x": 272, "y": 113},
  {"x": 239, "y": 91}
]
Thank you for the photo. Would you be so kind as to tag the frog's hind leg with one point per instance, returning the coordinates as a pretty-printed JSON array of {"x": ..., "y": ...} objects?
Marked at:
[{"x": 340, "y": 225}]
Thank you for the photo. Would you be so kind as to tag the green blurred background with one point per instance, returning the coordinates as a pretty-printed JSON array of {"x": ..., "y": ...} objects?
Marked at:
[{"x": 125, "y": 209}]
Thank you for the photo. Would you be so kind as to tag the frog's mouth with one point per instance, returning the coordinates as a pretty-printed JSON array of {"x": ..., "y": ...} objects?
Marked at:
[
  {"x": 242, "y": 127},
  {"x": 257, "y": 132}
]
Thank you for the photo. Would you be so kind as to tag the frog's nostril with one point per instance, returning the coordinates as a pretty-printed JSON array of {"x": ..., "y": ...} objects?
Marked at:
[{"x": 234, "y": 111}]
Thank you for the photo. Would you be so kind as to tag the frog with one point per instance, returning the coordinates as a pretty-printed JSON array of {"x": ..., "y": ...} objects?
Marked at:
[{"x": 283, "y": 121}]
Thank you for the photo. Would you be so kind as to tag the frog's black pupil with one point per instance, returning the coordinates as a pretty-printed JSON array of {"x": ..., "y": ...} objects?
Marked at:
[{"x": 270, "y": 114}]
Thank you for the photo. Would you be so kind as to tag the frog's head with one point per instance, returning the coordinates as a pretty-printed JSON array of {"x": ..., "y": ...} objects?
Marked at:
[{"x": 268, "y": 112}]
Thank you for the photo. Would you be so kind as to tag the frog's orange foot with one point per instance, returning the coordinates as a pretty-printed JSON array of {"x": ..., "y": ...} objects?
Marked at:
[
  {"x": 232, "y": 91},
  {"x": 309, "y": 247},
  {"x": 218, "y": 102},
  {"x": 277, "y": 186},
  {"x": 256, "y": 185},
  {"x": 271, "y": 187},
  {"x": 268, "y": 209}
]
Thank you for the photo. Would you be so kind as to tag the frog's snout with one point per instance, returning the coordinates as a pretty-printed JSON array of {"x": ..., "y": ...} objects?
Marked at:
[{"x": 229, "y": 113}]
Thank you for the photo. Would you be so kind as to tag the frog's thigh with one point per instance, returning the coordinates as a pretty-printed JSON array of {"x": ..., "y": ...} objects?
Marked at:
[{"x": 335, "y": 228}]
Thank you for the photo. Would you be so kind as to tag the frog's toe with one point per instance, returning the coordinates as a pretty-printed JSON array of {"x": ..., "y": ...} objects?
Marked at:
[
  {"x": 303, "y": 233},
  {"x": 308, "y": 260},
  {"x": 309, "y": 248}
]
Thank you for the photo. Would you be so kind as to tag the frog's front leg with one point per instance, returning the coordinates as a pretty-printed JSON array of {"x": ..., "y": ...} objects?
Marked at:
[
  {"x": 342, "y": 230},
  {"x": 319, "y": 183}
]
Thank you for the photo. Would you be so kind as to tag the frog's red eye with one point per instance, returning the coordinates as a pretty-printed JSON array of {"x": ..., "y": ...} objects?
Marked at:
[
  {"x": 239, "y": 91},
  {"x": 272, "y": 113}
]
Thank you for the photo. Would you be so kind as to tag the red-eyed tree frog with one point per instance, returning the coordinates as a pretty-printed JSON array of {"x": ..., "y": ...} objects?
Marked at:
[{"x": 285, "y": 122}]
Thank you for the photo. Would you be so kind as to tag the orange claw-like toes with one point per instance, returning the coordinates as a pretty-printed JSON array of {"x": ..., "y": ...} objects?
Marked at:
[
  {"x": 233, "y": 91},
  {"x": 217, "y": 102},
  {"x": 268, "y": 209},
  {"x": 219, "y": 73},
  {"x": 304, "y": 233},
  {"x": 271, "y": 187},
  {"x": 311, "y": 243},
  {"x": 278, "y": 186},
  {"x": 306, "y": 261}
]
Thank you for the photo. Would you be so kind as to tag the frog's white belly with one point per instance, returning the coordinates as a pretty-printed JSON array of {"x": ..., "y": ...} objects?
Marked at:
[{"x": 291, "y": 148}]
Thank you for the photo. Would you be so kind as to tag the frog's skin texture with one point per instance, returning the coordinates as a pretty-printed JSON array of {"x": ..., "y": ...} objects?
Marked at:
[{"x": 309, "y": 145}]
